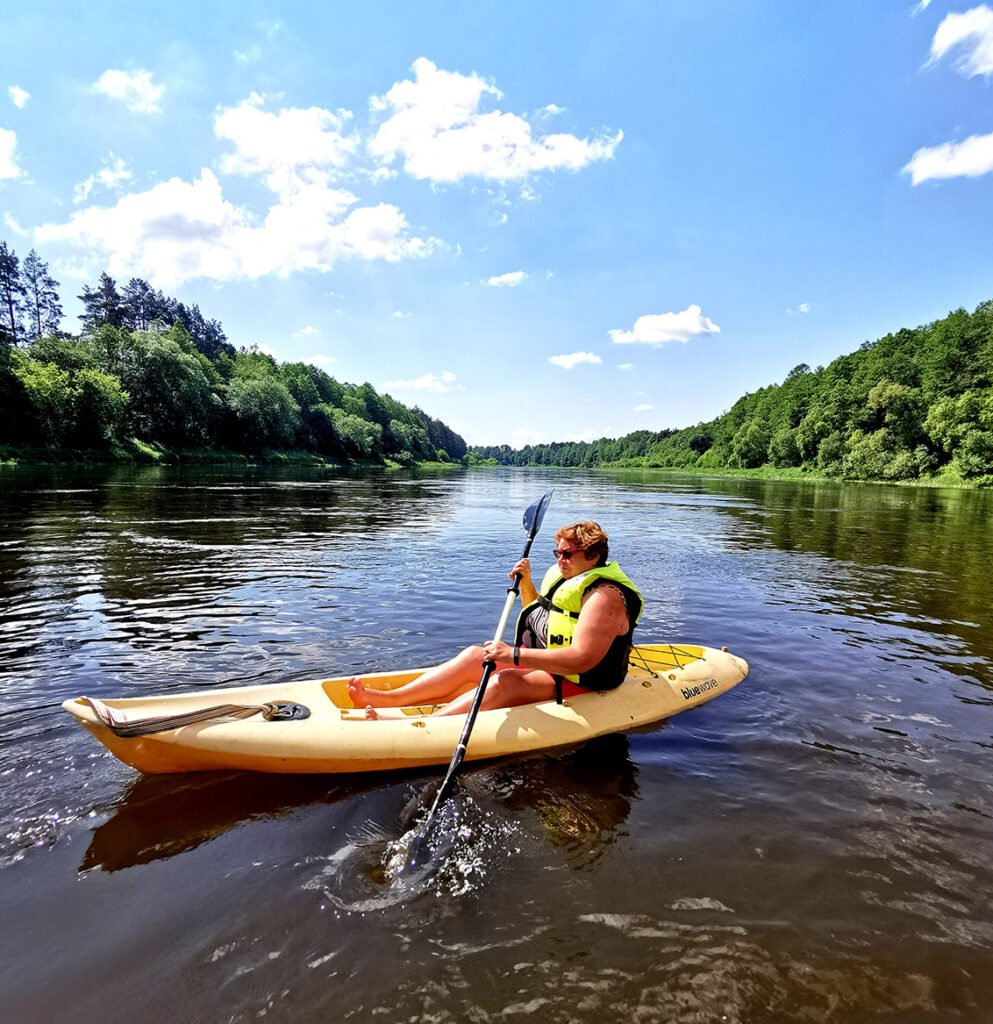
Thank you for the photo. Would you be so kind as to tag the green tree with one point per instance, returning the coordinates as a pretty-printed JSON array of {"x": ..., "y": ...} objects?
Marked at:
[
  {"x": 100, "y": 404},
  {"x": 101, "y": 305},
  {"x": 42, "y": 308},
  {"x": 12, "y": 297},
  {"x": 265, "y": 410},
  {"x": 171, "y": 399}
]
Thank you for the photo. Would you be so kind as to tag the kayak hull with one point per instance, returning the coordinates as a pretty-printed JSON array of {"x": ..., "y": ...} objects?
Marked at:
[{"x": 663, "y": 680}]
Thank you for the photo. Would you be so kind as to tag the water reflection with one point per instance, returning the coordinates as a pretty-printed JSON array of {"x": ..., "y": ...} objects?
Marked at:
[{"x": 580, "y": 799}]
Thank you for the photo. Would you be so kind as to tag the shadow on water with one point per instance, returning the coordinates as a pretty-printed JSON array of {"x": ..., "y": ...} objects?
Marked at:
[
  {"x": 579, "y": 799},
  {"x": 161, "y": 816}
]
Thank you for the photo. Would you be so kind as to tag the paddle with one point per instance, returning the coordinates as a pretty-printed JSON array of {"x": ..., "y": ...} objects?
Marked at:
[{"x": 532, "y": 523}]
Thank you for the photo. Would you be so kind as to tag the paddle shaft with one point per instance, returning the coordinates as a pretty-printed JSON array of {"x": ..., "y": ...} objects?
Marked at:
[{"x": 488, "y": 666}]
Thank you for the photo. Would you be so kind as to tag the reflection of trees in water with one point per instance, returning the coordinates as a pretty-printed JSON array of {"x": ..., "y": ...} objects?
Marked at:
[
  {"x": 902, "y": 553},
  {"x": 580, "y": 798},
  {"x": 135, "y": 539}
]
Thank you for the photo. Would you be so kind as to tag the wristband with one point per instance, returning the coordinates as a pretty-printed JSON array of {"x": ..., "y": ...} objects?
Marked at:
[{"x": 517, "y": 655}]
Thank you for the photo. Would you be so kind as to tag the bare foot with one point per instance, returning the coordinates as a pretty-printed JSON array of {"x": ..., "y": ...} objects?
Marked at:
[
  {"x": 361, "y": 695},
  {"x": 370, "y": 713}
]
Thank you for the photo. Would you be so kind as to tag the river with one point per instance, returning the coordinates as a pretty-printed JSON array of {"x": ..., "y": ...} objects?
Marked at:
[{"x": 814, "y": 845}]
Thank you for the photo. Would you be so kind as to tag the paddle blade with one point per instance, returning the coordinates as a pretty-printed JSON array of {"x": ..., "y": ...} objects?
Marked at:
[{"x": 534, "y": 514}]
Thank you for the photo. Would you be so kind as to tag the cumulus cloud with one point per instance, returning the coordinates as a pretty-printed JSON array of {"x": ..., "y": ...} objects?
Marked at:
[
  {"x": 305, "y": 332},
  {"x": 399, "y": 314},
  {"x": 292, "y": 149},
  {"x": 8, "y": 155},
  {"x": 114, "y": 173},
  {"x": 318, "y": 360},
  {"x": 644, "y": 407},
  {"x": 971, "y": 35},
  {"x": 511, "y": 280},
  {"x": 625, "y": 366},
  {"x": 969, "y": 159},
  {"x": 135, "y": 89},
  {"x": 181, "y": 230},
  {"x": 440, "y": 384},
  {"x": 803, "y": 309},
  {"x": 567, "y": 362},
  {"x": 436, "y": 127},
  {"x": 18, "y": 96},
  {"x": 658, "y": 328}
]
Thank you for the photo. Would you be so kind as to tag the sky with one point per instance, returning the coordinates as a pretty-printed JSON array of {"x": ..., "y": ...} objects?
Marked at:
[{"x": 536, "y": 222}]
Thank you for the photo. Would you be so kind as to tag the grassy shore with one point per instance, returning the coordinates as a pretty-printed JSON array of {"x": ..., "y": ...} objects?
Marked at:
[{"x": 141, "y": 453}]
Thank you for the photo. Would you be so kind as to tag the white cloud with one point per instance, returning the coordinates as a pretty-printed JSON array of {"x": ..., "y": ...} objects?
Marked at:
[
  {"x": 972, "y": 32},
  {"x": 524, "y": 435},
  {"x": 14, "y": 226},
  {"x": 511, "y": 280},
  {"x": 399, "y": 314},
  {"x": 293, "y": 149},
  {"x": 969, "y": 158},
  {"x": 574, "y": 359},
  {"x": 803, "y": 309},
  {"x": 550, "y": 110},
  {"x": 249, "y": 56},
  {"x": 18, "y": 96},
  {"x": 922, "y": 6},
  {"x": 644, "y": 407},
  {"x": 436, "y": 127},
  {"x": 318, "y": 360},
  {"x": 586, "y": 435},
  {"x": 8, "y": 155},
  {"x": 181, "y": 230},
  {"x": 114, "y": 173},
  {"x": 625, "y": 366},
  {"x": 428, "y": 382},
  {"x": 305, "y": 332},
  {"x": 135, "y": 89},
  {"x": 656, "y": 329}
]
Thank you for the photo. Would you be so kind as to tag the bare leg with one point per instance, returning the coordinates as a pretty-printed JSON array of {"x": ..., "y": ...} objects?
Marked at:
[
  {"x": 507, "y": 689},
  {"x": 435, "y": 686}
]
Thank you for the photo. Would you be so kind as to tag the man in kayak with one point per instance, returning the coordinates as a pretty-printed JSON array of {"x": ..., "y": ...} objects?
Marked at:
[{"x": 573, "y": 635}]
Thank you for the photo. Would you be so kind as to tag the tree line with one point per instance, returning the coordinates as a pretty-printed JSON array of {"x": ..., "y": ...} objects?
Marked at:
[
  {"x": 148, "y": 370},
  {"x": 914, "y": 404}
]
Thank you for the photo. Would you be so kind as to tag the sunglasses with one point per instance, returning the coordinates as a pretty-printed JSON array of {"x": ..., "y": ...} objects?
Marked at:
[{"x": 562, "y": 553}]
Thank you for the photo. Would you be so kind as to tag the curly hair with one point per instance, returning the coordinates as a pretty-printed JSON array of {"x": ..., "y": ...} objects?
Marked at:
[{"x": 587, "y": 535}]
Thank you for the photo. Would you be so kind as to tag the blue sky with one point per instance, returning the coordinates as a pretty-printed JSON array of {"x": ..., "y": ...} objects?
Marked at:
[{"x": 535, "y": 221}]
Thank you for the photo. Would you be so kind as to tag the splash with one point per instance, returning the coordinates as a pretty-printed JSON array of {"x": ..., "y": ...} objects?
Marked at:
[{"x": 375, "y": 872}]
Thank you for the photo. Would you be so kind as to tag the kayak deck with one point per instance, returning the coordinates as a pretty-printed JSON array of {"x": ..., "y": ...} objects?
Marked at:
[{"x": 662, "y": 680}]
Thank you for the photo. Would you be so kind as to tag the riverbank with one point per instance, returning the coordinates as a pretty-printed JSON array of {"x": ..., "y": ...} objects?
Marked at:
[
  {"x": 141, "y": 453},
  {"x": 949, "y": 478}
]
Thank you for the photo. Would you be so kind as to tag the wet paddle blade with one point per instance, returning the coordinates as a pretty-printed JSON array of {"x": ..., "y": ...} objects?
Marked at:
[{"x": 534, "y": 514}]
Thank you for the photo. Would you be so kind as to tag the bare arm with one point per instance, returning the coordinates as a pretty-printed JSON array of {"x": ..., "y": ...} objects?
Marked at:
[
  {"x": 528, "y": 591},
  {"x": 603, "y": 618}
]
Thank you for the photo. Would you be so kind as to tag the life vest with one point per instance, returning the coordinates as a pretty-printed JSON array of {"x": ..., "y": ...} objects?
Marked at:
[{"x": 564, "y": 600}]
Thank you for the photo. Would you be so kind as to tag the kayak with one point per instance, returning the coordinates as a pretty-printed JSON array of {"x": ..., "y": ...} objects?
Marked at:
[{"x": 313, "y": 726}]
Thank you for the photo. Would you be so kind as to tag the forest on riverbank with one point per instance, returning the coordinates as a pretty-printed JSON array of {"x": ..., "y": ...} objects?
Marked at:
[
  {"x": 917, "y": 404},
  {"x": 148, "y": 376}
]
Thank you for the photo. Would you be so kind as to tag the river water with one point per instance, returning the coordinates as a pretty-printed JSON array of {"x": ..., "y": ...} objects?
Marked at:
[{"x": 813, "y": 846}]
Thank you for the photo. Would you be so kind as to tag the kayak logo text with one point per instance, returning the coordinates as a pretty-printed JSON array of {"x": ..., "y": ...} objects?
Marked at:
[{"x": 689, "y": 692}]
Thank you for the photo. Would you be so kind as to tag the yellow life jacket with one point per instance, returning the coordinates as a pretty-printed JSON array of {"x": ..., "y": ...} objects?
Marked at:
[{"x": 564, "y": 600}]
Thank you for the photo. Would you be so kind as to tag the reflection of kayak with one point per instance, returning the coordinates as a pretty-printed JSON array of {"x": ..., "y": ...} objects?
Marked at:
[{"x": 663, "y": 680}]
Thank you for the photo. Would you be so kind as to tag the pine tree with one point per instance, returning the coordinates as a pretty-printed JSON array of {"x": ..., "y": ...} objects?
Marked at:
[
  {"x": 102, "y": 305},
  {"x": 43, "y": 308},
  {"x": 11, "y": 297}
]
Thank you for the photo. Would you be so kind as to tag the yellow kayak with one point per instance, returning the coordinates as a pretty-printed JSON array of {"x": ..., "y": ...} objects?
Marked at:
[{"x": 313, "y": 726}]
